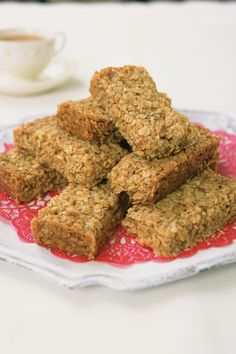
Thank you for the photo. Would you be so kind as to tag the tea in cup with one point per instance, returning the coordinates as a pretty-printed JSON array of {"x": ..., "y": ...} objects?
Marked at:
[{"x": 25, "y": 53}]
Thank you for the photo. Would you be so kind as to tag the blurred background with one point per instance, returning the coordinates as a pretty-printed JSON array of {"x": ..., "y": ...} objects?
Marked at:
[
  {"x": 187, "y": 46},
  {"x": 85, "y": 1}
]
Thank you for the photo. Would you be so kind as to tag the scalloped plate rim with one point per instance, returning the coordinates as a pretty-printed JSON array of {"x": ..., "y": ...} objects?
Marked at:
[{"x": 125, "y": 278}]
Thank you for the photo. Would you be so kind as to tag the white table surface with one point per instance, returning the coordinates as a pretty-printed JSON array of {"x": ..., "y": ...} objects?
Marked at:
[{"x": 190, "y": 49}]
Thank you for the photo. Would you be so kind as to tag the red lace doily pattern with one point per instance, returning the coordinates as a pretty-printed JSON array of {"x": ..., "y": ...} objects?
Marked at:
[
  {"x": 123, "y": 249},
  {"x": 8, "y": 147}
]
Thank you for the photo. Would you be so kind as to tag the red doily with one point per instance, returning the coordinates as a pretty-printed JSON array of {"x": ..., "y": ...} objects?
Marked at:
[{"x": 123, "y": 249}]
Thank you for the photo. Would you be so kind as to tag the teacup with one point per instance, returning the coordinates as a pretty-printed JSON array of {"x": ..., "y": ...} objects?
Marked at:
[{"x": 26, "y": 53}]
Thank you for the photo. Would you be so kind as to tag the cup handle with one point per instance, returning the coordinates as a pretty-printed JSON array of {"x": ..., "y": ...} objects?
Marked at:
[{"x": 60, "y": 41}]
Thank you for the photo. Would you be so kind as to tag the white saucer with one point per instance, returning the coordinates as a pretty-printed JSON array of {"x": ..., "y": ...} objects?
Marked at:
[{"x": 57, "y": 73}]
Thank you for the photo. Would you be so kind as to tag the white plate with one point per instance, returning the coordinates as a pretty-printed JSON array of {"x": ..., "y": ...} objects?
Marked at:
[
  {"x": 139, "y": 276},
  {"x": 57, "y": 73}
]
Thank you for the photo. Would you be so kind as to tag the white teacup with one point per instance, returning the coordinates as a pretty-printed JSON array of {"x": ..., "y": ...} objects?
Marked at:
[{"x": 25, "y": 53}]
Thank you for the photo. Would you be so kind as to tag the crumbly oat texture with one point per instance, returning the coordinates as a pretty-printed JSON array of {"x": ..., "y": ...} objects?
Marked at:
[
  {"x": 196, "y": 211},
  {"x": 87, "y": 120},
  {"x": 23, "y": 178},
  {"x": 143, "y": 116},
  {"x": 147, "y": 181},
  {"x": 79, "y": 220},
  {"x": 79, "y": 161}
]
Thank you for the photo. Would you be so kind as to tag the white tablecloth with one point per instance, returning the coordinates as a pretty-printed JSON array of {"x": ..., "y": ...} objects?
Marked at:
[{"x": 190, "y": 49}]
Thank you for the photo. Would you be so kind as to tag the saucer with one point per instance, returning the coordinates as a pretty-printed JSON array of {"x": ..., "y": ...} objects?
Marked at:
[{"x": 57, "y": 73}]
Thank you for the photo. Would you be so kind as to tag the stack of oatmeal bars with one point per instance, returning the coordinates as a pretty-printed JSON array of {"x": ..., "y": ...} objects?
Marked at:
[{"x": 122, "y": 155}]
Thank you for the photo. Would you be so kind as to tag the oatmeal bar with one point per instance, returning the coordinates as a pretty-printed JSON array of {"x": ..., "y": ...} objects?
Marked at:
[
  {"x": 79, "y": 220},
  {"x": 86, "y": 120},
  {"x": 147, "y": 181},
  {"x": 23, "y": 178},
  {"x": 79, "y": 161},
  {"x": 196, "y": 211},
  {"x": 143, "y": 116}
]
